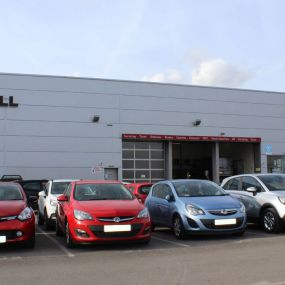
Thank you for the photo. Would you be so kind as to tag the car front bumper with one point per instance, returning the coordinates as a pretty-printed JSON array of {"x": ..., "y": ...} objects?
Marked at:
[
  {"x": 93, "y": 232},
  {"x": 14, "y": 231},
  {"x": 215, "y": 224}
]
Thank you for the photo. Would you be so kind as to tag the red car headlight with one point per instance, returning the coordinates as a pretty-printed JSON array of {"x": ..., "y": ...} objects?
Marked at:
[
  {"x": 26, "y": 214},
  {"x": 82, "y": 216}
]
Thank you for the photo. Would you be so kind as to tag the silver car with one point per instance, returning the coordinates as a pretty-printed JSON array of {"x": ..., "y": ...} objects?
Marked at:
[{"x": 263, "y": 196}]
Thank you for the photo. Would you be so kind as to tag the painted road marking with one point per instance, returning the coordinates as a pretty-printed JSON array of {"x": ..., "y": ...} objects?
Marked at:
[
  {"x": 170, "y": 241},
  {"x": 62, "y": 248}
]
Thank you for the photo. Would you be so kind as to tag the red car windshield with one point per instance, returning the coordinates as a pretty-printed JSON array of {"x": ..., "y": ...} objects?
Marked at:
[
  {"x": 87, "y": 192},
  {"x": 10, "y": 192}
]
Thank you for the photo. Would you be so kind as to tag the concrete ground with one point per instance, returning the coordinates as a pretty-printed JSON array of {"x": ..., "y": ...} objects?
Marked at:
[{"x": 257, "y": 258}]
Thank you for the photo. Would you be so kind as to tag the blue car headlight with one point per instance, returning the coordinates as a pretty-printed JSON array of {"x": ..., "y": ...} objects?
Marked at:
[
  {"x": 242, "y": 208},
  {"x": 143, "y": 214},
  {"x": 194, "y": 210}
]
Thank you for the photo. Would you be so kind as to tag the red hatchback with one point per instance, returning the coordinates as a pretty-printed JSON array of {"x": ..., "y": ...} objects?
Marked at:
[
  {"x": 17, "y": 219},
  {"x": 101, "y": 211},
  {"x": 140, "y": 190}
]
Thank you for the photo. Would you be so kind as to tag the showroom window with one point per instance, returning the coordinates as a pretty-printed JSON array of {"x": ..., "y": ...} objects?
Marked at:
[
  {"x": 143, "y": 161},
  {"x": 276, "y": 164}
]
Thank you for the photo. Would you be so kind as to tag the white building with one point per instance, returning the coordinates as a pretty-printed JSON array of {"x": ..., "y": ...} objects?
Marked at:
[{"x": 68, "y": 127}]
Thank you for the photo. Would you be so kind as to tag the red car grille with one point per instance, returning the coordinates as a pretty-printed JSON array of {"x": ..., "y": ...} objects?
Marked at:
[
  {"x": 99, "y": 232},
  {"x": 117, "y": 219},
  {"x": 9, "y": 234},
  {"x": 4, "y": 219}
]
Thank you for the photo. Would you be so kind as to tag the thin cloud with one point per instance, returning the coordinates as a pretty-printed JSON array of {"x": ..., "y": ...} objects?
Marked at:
[
  {"x": 170, "y": 75},
  {"x": 218, "y": 72}
]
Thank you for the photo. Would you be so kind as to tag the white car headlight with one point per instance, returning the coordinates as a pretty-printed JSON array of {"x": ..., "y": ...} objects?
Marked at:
[
  {"x": 195, "y": 211},
  {"x": 242, "y": 208},
  {"x": 26, "y": 214},
  {"x": 143, "y": 214},
  {"x": 82, "y": 216},
  {"x": 282, "y": 200}
]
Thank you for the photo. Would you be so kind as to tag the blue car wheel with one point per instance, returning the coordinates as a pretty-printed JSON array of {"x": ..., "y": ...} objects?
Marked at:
[{"x": 178, "y": 227}]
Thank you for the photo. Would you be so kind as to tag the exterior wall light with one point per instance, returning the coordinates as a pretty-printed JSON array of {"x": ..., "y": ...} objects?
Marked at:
[
  {"x": 196, "y": 123},
  {"x": 96, "y": 119}
]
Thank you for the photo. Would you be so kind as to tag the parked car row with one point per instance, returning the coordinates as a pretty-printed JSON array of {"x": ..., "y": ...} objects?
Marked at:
[{"x": 90, "y": 211}]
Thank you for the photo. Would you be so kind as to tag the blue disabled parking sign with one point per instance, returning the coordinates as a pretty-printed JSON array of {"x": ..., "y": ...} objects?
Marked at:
[{"x": 268, "y": 149}]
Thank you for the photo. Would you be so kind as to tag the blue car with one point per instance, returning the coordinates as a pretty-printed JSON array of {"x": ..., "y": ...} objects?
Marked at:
[{"x": 195, "y": 206}]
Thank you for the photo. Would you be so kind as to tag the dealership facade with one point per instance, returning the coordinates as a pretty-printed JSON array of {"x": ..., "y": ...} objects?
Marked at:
[{"x": 66, "y": 127}]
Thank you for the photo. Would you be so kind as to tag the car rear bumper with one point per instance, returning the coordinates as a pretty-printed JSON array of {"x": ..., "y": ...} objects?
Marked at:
[
  {"x": 88, "y": 232},
  {"x": 16, "y": 231}
]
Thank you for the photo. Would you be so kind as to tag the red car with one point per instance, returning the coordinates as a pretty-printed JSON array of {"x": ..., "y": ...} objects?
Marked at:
[
  {"x": 140, "y": 190},
  {"x": 101, "y": 211},
  {"x": 17, "y": 219}
]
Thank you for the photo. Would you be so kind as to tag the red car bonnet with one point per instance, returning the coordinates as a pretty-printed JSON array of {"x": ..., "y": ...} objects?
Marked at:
[
  {"x": 12, "y": 208},
  {"x": 109, "y": 208}
]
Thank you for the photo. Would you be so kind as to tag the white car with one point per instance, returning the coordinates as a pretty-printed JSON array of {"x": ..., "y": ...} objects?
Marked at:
[{"x": 48, "y": 200}]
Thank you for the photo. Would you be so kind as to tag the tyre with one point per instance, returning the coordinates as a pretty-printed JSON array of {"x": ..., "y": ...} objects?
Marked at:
[
  {"x": 47, "y": 223},
  {"x": 68, "y": 237},
  {"x": 30, "y": 243},
  {"x": 153, "y": 227},
  {"x": 178, "y": 228},
  {"x": 146, "y": 241},
  {"x": 58, "y": 231},
  {"x": 40, "y": 219},
  {"x": 270, "y": 220}
]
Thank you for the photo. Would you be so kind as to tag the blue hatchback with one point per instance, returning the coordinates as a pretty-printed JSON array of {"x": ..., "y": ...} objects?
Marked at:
[{"x": 195, "y": 206}]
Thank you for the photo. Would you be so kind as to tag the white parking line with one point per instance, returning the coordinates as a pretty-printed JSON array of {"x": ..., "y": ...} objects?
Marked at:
[
  {"x": 170, "y": 241},
  {"x": 66, "y": 251}
]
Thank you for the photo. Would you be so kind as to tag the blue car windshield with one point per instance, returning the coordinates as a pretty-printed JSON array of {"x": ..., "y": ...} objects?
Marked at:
[{"x": 198, "y": 188}]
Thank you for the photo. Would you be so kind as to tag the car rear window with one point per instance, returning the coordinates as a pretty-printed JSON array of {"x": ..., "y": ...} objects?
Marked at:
[
  {"x": 87, "y": 192},
  {"x": 144, "y": 190},
  {"x": 57, "y": 188},
  {"x": 10, "y": 192}
]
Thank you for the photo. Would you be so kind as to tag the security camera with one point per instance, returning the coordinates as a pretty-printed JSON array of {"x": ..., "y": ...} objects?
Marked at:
[{"x": 196, "y": 123}]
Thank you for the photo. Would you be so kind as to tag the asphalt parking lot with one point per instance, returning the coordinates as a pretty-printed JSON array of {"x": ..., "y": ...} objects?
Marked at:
[{"x": 256, "y": 258}]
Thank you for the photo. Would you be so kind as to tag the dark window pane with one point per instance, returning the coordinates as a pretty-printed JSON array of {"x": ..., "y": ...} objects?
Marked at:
[
  {"x": 128, "y": 164},
  {"x": 157, "y": 164},
  {"x": 157, "y": 174},
  {"x": 142, "y": 145},
  {"x": 128, "y": 174},
  {"x": 142, "y": 154},
  {"x": 157, "y": 154},
  {"x": 142, "y": 174},
  {"x": 142, "y": 164},
  {"x": 129, "y": 145},
  {"x": 156, "y": 145},
  {"x": 128, "y": 154}
]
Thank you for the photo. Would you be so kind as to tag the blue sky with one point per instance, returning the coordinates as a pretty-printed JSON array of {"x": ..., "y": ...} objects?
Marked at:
[{"x": 229, "y": 43}]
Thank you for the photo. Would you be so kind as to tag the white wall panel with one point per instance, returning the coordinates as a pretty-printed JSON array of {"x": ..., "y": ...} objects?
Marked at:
[
  {"x": 61, "y": 144},
  {"x": 61, "y": 129},
  {"x": 55, "y": 159},
  {"x": 48, "y": 113}
]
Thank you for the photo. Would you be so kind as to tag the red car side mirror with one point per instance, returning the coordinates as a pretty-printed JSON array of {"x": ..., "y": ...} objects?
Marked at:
[{"x": 62, "y": 198}]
